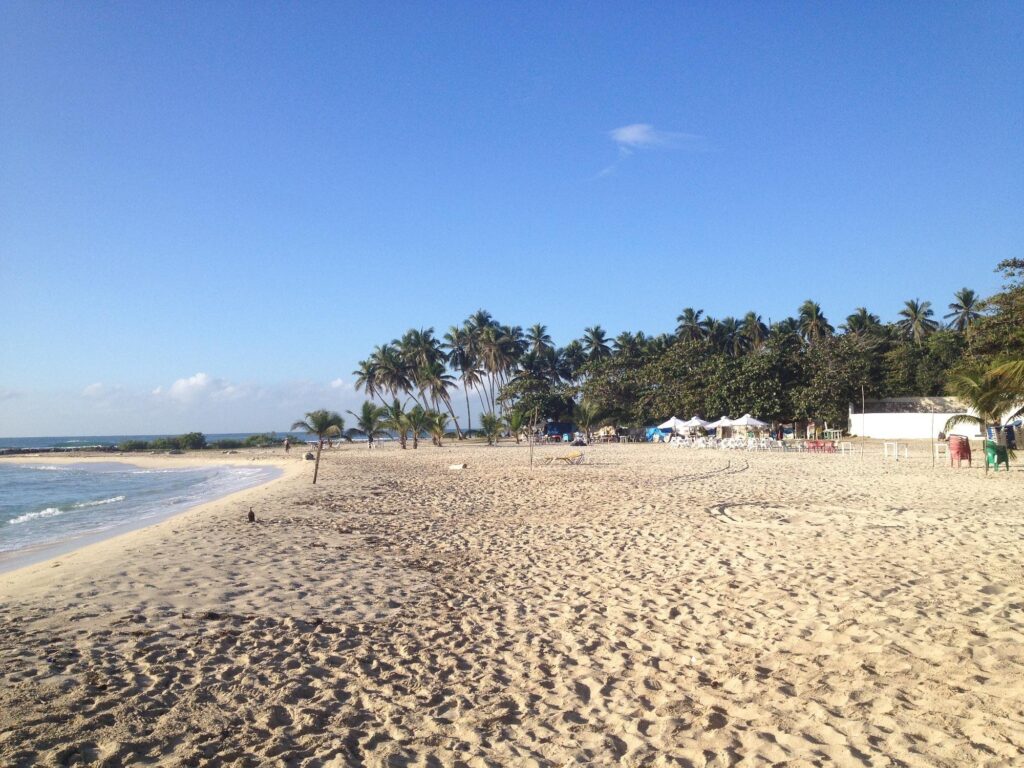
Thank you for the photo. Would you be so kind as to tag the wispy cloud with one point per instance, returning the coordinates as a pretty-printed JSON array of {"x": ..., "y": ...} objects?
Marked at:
[
  {"x": 643, "y": 136},
  {"x": 197, "y": 401}
]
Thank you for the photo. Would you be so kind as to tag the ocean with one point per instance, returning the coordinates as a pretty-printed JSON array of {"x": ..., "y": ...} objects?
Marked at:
[
  {"x": 108, "y": 441},
  {"x": 48, "y": 506}
]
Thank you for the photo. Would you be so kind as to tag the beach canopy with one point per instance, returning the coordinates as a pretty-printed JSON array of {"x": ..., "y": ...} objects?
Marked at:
[
  {"x": 676, "y": 425},
  {"x": 695, "y": 422},
  {"x": 725, "y": 421},
  {"x": 746, "y": 420}
]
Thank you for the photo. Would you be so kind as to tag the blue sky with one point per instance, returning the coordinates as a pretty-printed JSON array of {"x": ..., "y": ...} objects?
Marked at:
[{"x": 210, "y": 212}]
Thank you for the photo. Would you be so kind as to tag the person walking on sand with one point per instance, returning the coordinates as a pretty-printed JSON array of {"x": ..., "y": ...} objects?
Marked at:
[{"x": 287, "y": 445}]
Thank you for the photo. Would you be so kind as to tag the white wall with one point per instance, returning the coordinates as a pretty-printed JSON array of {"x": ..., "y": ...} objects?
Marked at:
[{"x": 905, "y": 426}]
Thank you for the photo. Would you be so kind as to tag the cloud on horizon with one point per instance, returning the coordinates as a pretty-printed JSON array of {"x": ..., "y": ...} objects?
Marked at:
[
  {"x": 643, "y": 136},
  {"x": 199, "y": 401},
  {"x": 9, "y": 394}
]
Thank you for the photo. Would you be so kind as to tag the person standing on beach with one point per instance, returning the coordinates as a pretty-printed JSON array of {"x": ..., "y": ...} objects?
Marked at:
[{"x": 287, "y": 445}]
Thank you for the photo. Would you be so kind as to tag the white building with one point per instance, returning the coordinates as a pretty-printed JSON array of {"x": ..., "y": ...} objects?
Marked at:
[{"x": 908, "y": 418}]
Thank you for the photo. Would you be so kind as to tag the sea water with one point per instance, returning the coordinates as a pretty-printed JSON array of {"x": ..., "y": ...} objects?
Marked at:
[{"x": 45, "y": 505}]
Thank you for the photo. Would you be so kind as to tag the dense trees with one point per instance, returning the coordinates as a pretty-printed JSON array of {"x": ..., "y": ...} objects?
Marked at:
[{"x": 799, "y": 367}]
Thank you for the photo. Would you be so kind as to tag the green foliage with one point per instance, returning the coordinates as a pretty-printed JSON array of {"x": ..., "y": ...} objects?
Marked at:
[
  {"x": 998, "y": 335},
  {"x": 437, "y": 424},
  {"x": 586, "y": 416},
  {"x": 515, "y": 421},
  {"x": 799, "y": 367},
  {"x": 322, "y": 423},
  {"x": 370, "y": 422},
  {"x": 985, "y": 392},
  {"x": 528, "y": 393},
  {"x": 227, "y": 443},
  {"x": 128, "y": 446},
  {"x": 192, "y": 441},
  {"x": 263, "y": 440},
  {"x": 490, "y": 423},
  {"x": 418, "y": 420},
  {"x": 396, "y": 419}
]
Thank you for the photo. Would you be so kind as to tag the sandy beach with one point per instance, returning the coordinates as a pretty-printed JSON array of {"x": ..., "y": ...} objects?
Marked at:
[{"x": 651, "y": 607}]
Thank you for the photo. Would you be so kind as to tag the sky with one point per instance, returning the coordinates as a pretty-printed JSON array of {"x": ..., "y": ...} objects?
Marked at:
[{"x": 209, "y": 213}]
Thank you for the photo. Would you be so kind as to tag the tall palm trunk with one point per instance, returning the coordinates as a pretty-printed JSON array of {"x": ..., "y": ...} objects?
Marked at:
[
  {"x": 316, "y": 467},
  {"x": 469, "y": 416},
  {"x": 451, "y": 412}
]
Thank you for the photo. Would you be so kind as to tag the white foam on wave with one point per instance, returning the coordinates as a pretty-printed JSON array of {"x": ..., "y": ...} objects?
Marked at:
[
  {"x": 48, "y": 512},
  {"x": 46, "y": 467},
  {"x": 99, "y": 502}
]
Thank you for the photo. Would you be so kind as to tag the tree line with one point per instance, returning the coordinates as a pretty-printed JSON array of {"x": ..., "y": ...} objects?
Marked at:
[{"x": 800, "y": 367}]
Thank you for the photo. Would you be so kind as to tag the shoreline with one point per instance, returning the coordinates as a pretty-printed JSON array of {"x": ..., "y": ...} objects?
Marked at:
[{"x": 44, "y": 556}]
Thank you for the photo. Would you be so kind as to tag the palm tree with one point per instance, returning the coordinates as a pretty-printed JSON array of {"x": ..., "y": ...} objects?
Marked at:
[
  {"x": 366, "y": 378},
  {"x": 986, "y": 393},
  {"x": 419, "y": 421},
  {"x": 436, "y": 381},
  {"x": 689, "y": 326},
  {"x": 595, "y": 342},
  {"x": 514, "y": 420},
  {"x": 658, "y": 345},
  {"x": 323, "y": 424},
  {"x": 370, "y": 421},
  {"x": 392, "y": 370},
  {"x": 628, "y": 345},
  {"x": 539, "y": 339},
  {"x": 461, "y": 357},
  {"x": 708, "y": 328},
  {"x": 754, "y": 330},
  {"x": 729, "y": 338},
  {"x": 862, "y": 322},
  {"x": 788, "y": 326},
  {"x": 917, "y": 321},
  {"x": 964, "y": 310},
  {"x": 437, "y": 423},
  {"x": 585, "y": 415},
  {"x": 574, "y": 357},
  {"x": 814, "y": 326},
  {"x": 1010, "y": 377},
  {"x": 491, "y": 425},
  {"x": 397, "y": 420}
]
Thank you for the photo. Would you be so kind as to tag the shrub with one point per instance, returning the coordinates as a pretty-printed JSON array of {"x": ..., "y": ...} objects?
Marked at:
[
  {"x": 193, "y": 441},
  {"x": 133, "y": 445},
  {"x": 227, "y": 443},
  {"x": 263, "y": 440}
]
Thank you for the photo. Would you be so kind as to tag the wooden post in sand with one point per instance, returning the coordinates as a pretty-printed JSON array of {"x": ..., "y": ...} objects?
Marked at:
[
  {"x": 533, "y": 432},
  {"x": 933, "y": 441}
]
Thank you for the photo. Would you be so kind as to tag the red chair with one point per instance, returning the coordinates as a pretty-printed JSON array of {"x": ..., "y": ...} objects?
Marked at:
[{"x": 959, "y": 449}]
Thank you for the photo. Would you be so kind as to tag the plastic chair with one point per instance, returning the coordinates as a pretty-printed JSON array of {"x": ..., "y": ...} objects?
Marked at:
[
  {"x": 959, "y": 449},
  {"x": 996, "y": 455}
]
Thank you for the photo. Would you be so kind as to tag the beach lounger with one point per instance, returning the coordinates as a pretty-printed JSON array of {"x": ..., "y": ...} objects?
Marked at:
[{"x": 570, "y": 458}]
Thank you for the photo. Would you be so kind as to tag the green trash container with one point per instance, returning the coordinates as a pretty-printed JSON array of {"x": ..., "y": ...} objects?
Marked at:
[{"x": 996, "y": 455}]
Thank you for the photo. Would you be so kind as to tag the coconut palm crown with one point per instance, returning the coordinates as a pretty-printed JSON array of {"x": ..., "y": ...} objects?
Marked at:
[{"x": 324, "y": 424}]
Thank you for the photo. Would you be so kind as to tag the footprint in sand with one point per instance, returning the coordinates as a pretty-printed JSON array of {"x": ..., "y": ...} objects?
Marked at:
[{"x": 765, "y": 516}]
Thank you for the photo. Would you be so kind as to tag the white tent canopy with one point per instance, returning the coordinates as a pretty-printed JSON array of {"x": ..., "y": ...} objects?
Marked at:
[
  {"x": 676, "y": 425},
  {"x": 696, "y": 421},
  {"x": 725, "y": 421},
  {"x": 746, "y": 420}
]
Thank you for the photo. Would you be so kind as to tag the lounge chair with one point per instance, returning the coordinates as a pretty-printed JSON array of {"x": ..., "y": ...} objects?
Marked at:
[{"x": 574, "y": 458}]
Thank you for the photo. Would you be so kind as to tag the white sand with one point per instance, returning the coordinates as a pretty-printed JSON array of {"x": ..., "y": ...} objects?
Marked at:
[{"x": 651, "y": 607}]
